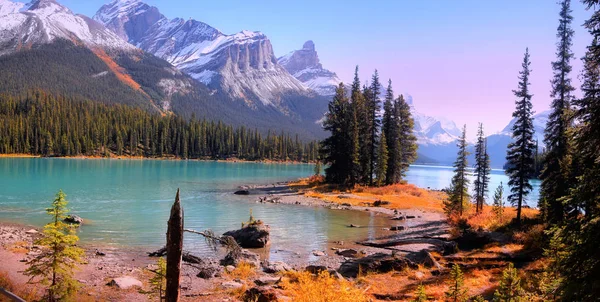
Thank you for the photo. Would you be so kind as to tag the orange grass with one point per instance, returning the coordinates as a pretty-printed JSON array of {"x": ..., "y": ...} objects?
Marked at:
[
  {"x": 305, "y": 287},
  {"x": 243, "y": 271},
  {"x": 487, "y": 220},
  {"x": 399, "y": 196}
]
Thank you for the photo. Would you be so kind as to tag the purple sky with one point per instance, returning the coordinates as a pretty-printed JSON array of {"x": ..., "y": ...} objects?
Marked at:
[{"x": 457, "y": 58}]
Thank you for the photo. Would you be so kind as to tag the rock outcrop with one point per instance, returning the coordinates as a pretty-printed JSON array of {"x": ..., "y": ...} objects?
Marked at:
[
  {"x": 252, "y": 236},
  {"x": 379, "y": 263},
  {"x": 304, "y": 65}
]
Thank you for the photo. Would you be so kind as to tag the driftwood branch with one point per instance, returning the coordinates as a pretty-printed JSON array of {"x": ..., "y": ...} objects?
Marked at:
[
  {"x": 10, "y": 295},
  {"x": 211, "y": 239}
]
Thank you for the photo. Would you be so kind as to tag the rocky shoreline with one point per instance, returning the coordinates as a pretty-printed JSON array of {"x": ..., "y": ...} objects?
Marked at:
[{"x": 106, "y": 268}]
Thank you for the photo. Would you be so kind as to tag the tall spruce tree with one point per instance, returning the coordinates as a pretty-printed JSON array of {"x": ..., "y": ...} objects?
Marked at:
[
  {"x": 389, "y": 128},
  {"x": 336, "y": 150},
  {"x": 367, "y": 149},
  {"x": 373, "y": 105},
  {"x": 458, "y": 194},
  {"x": 577, "y": 258},
  {"x": 556, "y": 173},
  {"x": 406, "y": 142},
  {"x": 520, "y": 150},
  {"x": 358, "y": 107},
  {"x": 482, "y": 170}
]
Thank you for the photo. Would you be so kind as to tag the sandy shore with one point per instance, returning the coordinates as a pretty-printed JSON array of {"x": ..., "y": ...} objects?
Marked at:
[{"x": 102, "y": 264}]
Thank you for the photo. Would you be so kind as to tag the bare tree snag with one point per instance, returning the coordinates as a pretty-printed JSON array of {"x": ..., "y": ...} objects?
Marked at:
[{"x": 174, "y": 250}]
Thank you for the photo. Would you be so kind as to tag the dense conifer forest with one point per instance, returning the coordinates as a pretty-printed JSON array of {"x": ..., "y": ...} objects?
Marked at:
[{"x": 50, "y": 125}]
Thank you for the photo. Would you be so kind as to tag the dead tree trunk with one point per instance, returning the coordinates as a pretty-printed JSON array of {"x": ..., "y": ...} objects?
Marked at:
[{"x": 174, "y": 250}]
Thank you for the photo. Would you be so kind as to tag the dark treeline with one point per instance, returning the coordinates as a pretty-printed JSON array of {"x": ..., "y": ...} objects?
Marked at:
[
  {"x": 364, "y": 147},
  {"x": 50, "y": 125}
]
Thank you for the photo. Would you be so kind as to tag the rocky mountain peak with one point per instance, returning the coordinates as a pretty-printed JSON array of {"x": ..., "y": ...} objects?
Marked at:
[
  {"x": 304, "y": 65},
  {"x": 309, "y": 45}
]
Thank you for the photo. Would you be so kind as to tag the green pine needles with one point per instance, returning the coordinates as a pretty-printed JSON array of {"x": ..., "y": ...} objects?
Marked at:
[{"x": 60, "y": 255}]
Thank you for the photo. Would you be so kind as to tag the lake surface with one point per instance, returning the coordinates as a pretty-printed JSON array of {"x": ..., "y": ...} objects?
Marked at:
[{"x": 127, "y": 202}]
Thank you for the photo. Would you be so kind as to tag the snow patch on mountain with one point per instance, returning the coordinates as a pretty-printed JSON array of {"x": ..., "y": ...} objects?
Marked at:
[
  {"x": 43, "y": 21},
  {"x": 242, "y": 64},
  {"x": 431, "y": 130},
  {"x": 304, "y": 65}
]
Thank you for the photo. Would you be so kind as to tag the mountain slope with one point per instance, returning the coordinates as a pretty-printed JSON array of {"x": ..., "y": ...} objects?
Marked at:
[
  {"x": 242, "y": 65},
  {"x": 304, "y": 65},
  {"x": 44, "y": 21}
]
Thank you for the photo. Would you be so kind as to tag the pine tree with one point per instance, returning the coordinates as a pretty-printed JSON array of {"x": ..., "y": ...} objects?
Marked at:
[
  {"x": 482, "y": 170},
  {"x": 389, "y": 128},
  {"x": 406, "y": 143},
  {"x": 336, "y": 150},
  {"x": 55, "y": 264},
  {"x": 357, "y": 130},
  {"x": 382, "y": 161},
  {"x": 457, "y": 291},
  {"x": 458, "y": 194},
  {"x": 373, "y": 100},
  {"x": 420, "y": 295},
  {"x": 520, "y": 150},
  {"x": 158, "y": 282},
  {"x": 509, "y": 289},
  {"x": 499, "y": 202},
  {"x": 556, "y": 173},
  {"x": 577, "y": 258}
]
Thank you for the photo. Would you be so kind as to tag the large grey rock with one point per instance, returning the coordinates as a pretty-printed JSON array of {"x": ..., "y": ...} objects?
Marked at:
[
  {"x": 275, "y": 267},
  {"x": 379, "y": 263},
  {"x": 253, "y": 236},
  {"x": 245, "y": 256},
  {"x": 74, "y": 219},
  {"x": 125, "y": 282}
]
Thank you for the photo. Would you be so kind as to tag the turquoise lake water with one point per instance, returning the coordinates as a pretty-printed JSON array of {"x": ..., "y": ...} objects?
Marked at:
[{"x": 127, "y": 202}]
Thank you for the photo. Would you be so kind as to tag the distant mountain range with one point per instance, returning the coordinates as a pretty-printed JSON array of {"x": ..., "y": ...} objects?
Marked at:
[{"x": 131, "y": 53}]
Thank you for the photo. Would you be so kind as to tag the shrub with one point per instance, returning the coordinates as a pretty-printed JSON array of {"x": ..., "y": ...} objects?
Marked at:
[{"x": 305, "y": 287}]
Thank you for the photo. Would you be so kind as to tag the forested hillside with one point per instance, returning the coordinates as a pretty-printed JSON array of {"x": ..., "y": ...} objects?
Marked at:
[{"x": 49, "y": 125}]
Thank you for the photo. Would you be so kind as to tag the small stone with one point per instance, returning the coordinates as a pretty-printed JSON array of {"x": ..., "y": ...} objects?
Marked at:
[
  {"x": 32, "y": 231},
  {"x": 267, "y": 280},
  {"x": 231, "y": 285},
  {"x": 125, "y": 282},
  {"x": 318, "y": 253},
  {"x": 230, "y": 268}
]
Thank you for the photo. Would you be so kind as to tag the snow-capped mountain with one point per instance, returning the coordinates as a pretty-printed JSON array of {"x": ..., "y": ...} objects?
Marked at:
[
  {"x": 43, "y": 21},
  {"x": 539, "y": 125},
  {"x": 242, "y": 65},
  {"x": 304, "y": 65},
  {"x": 433, "y": 130}
]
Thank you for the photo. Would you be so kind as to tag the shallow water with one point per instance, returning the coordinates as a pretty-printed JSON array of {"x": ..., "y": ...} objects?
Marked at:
[{"x": 127, "y": 202}]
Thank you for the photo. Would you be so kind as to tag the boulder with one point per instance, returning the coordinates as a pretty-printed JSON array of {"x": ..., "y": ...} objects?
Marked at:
[
  {"x": 252, "y": 236},
  {"x": 231, "y": 285},
  {"x": 347, "y": 253},
  {"x": 209, "y": 270},
  {"x": 275, "y": 267},
  {"x": 318, "y": 253},
  {"x": 125, "y": 282},
  {"x": 425, "y": 258},
  {"x": 379, "y": 263},
  {"x": 242, "y": 192},
  {"x": 260, "y": 294},
  {"x": 244, "y": 256},
  {"x": 266, "y": 280},
  {"x": 73, "y": 219}
]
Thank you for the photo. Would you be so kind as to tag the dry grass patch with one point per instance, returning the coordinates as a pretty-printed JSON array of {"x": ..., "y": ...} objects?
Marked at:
[
  {"x": 488, "y": 220},
  {"x": 243, "y": 271},
  {"x": 25, "y": 292},
  {"x": 19, "y": 247},
  {"x": 305, "y": 287}
]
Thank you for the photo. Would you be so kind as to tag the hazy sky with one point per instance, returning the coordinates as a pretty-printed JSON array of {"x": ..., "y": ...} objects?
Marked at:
[{"x": 457, "y": 58}]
